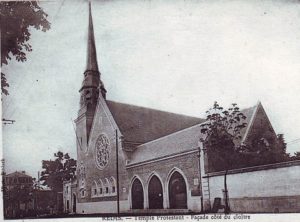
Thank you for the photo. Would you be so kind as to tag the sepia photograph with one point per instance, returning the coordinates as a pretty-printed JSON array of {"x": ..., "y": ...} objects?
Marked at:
[{"x": 150, "y": 109}]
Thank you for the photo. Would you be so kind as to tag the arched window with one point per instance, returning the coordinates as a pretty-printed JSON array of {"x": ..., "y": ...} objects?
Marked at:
[
  {"x": 94, "y": 189},
  {"x": 113, "y": 188},
  {"x": 82, "y": 183},
  {"x": 82, "y": 179},
  {"x": 100, "y": 188},
  {"x": 106, "y": 187},
  {"x": 82, "y": 192}
]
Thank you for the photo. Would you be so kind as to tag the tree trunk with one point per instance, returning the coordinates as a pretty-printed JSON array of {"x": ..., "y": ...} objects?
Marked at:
[{"x": 227, "y": 209}]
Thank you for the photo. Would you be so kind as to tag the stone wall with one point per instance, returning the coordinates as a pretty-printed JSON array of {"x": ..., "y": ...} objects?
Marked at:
[{"x": 267, "y": 188}]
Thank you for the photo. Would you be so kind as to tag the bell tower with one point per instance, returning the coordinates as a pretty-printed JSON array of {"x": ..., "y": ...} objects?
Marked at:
[{"x": 90, "y": 89}]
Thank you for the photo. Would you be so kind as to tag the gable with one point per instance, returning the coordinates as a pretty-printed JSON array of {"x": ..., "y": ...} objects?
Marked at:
[
  {"x": 259, "y": 127},
  {"x": 98, "y": 163},
  {"x": 140, "y": 125}
]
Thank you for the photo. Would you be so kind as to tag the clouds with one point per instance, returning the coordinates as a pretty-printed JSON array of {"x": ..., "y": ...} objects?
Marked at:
[{"x": 178, "y": 56}]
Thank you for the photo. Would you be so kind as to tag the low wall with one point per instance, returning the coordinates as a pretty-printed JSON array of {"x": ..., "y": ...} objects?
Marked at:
[
  {"x": 268, "y": 188},
  {"x": 104, "y": 207}
]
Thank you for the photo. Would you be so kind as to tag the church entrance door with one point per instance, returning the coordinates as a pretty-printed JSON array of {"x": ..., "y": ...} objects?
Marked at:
[
  {"x": 137, "y": 195},
  {"x": 155, "y": 193},
  {"x": 177, "y": 192},
  {"x": 74, "y": 203}
]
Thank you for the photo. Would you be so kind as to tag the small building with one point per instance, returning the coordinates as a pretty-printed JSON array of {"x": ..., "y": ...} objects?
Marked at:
[
  {"x": 18, "y": 194},
  {"x": 69, "y": 196}
]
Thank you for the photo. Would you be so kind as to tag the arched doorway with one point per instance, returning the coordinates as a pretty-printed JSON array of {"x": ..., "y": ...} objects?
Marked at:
[
  {"x": 74, "y": 203},
  {"x": 155, "y": 193},
  {"x": 137, "y": 195},
  {"x": 177, "y": 192}
]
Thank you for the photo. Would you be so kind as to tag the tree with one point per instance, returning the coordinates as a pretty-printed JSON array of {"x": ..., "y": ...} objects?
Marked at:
[
  {"x": 222, "y": 128},
  {"x": 296, "y": 156},
  {"x": 225, "y": 150},
  {"x": 16, "y": 20},
  {"x": 56, "y": 171},
  {"x": 261, "y": 150},
  {"x": 282, "y": 147}
]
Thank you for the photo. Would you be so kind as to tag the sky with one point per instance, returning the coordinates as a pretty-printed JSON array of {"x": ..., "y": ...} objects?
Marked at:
[{"x": 178, "y": 56}]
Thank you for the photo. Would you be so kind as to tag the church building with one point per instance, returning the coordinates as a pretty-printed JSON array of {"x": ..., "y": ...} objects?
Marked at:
[{"x": 132, "y": 159}]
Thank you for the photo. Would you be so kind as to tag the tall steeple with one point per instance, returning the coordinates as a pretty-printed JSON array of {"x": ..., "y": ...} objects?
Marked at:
[
  {"x": 92, "y": 73},
  {"x": 91, "y": 86},
  {"x": 91, "y": 49}
]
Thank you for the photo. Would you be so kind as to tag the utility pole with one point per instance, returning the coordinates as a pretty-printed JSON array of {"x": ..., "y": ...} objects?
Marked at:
[
  {"x": 117, "y": 166},
  {"x": 200, "y": 181}
]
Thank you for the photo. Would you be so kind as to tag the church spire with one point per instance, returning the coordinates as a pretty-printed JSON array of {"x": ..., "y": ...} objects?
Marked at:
[
  {"x": 91, "y": 89},
  {"x": 92, "y": 74},
  {"x": 92, "y": 64}
]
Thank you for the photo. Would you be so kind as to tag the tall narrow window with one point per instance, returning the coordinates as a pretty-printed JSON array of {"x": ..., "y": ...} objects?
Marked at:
[
  {"x": 94, "y": 192},
  {"x": 100, "y": 187},
  {"x": 112, "y": 183}
]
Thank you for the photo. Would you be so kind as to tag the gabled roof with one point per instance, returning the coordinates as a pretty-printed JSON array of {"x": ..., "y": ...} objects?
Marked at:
[
  {"x": 17, "y": 174},
  {"x": 141, "y": 125},
  {"x": 256, "y": 109},
  {"x": 181, "y": 141},
  {"x": 176, "y": 143},
  {"x": 249, "y": 113}
]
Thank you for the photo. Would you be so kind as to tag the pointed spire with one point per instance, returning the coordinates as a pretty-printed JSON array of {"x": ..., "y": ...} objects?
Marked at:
[
  {"x": 92, "y": 74},
  {"x": 92, "y": 64}
]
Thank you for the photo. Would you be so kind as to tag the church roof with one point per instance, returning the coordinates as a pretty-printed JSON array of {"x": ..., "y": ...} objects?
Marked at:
[
  {"x": 175, "y": 143},
  {"x": 141, "y": 125},
  {"x": 178, "y": 142},
  {"x": 249, "y": 113}
]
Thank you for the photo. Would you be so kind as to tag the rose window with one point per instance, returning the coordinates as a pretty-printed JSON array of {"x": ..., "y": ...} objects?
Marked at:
[{"x": 102, "y": 151}]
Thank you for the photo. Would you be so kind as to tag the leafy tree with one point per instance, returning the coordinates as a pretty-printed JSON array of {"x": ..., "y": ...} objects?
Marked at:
[
  {"x": 296, "y": 156},
  {"x": 265, "y": 151},
  {"x": 16, "y": 20},
  {"x": 281, "y": 143},
  {"x": 222, "y": 129},
  {"x": 282, "y": 147},
  {"x": 223, "y": 142},
  {"x": 56, "y": 171}
]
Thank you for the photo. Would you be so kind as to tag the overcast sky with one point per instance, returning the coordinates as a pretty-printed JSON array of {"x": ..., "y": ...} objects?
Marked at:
[{"x": 178, "y": 56}]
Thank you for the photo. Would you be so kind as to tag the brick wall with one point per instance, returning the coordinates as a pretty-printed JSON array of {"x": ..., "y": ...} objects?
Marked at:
[
  {"x": 185, "y": 164},
  {"x": 103, "y": 123}
]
